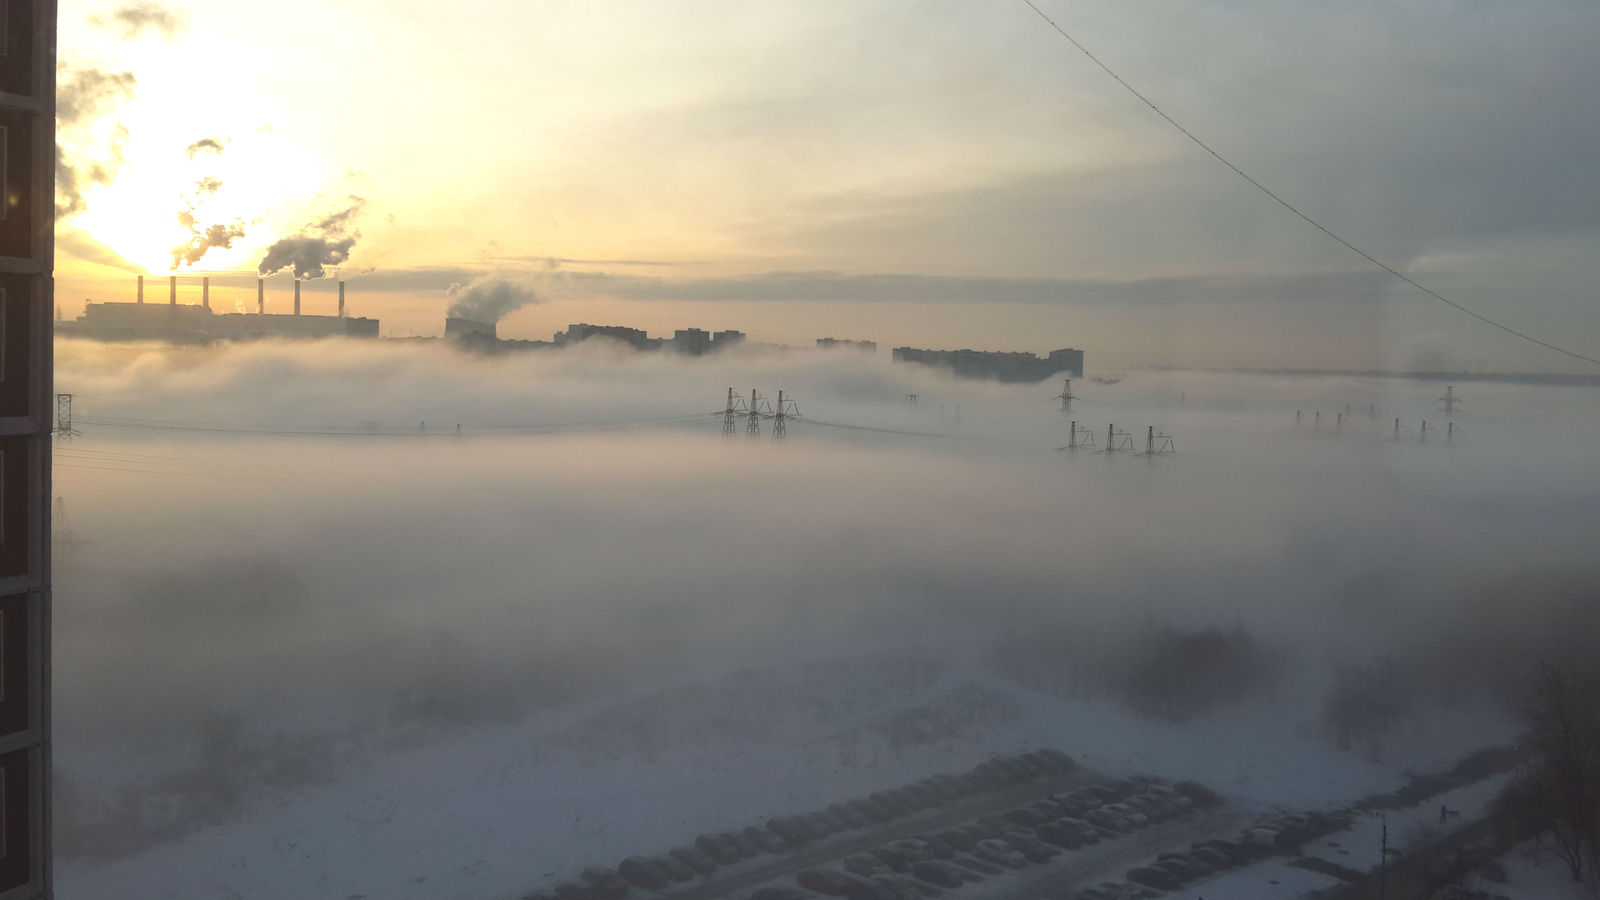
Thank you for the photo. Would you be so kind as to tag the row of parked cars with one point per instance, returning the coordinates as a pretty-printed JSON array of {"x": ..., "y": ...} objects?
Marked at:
[
  {"x": 1177, "y": 868},
  {"x": 780, "y": 834},
  {"x": 926, "y": 865}
]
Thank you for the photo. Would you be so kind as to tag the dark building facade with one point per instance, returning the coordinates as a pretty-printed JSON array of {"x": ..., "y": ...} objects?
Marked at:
[{"x": 27, "y": 408}]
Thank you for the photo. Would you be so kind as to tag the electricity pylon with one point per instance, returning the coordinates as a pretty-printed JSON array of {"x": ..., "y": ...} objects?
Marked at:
[
  {"x": 730, "y": 415},
  {"x": 1449, "y": 399},
  {"x": 1065, "y": 396},
  {"x": 753, "y": 415},
  {"x": 64, "y": 429},
  {"x": 1117, "y": 440},
  {"x": 1157, "y": 444},
  {"x": 1078, "y": 438},
  {"x": 785, "y": 410}
]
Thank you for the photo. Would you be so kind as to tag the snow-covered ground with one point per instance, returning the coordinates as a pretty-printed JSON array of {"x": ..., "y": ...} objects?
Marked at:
[
  {"x": 500, "y": 810},
  {"x": 1534, "y": 873}
]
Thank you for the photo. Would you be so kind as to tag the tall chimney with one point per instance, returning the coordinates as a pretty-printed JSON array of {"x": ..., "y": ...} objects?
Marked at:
[
  {"x": 297, "y": 296},
  {"x": 205, "y": 292},
  {"x": 141, "y": 288},
  {"x": 261, "y": 296},
  {"x": 341, "y": 299},
  {"x": 172, "y": 290}
]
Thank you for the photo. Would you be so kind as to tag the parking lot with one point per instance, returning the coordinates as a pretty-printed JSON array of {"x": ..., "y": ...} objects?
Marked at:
[{"x": 1034, "y": 825}]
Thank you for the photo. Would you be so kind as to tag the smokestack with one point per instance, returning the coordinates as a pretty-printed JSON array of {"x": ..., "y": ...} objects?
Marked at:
[
  {"x": 261, "y": 296},
  {"x": 172, "y": 290},
  {"x": 341, "y": 299},
  {"x": 141, "y": 288},
  {"x": 205, "y": 292},
  {"x": 297, "y": 296}
]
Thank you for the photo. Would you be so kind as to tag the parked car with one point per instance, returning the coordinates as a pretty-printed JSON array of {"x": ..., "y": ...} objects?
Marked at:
[
  {"x": 895, "y": 859},
  {"x": 779, "y": 892},
  {"x": 1199, "y": 793},
  {"x": 943, "y": 874},
  {"x": 896, "y": 806},
  {"x": 747, "y": 846},
  {"x": 608, "y": 885},
  {"x": 1000, "y": 853},
  {"x": 1031, "y": 848},
  {"x": 1024, "y": 817},
  {"x": 831, "y": 822},
  {"x": 1105, "y": 818},
  {"x": 1150, "y": 876},
  {"x": 1212, "y": 857},
  {"x": 974, "y": 864},
  {"x": 959, "y": 839},
  {"x": 677, "y": 868},
  {"x": 839, "y": 884},
  {"x": 641, "y": 871},
  {"x": 900, "y": 887},
  {"x": 1198, "y": 867},
  {"x": 1089, "y": 833},
  {"x": 1179, "y": 869},
  {"x": 852, "y": 818},
  {"x": 694, "y": 859},
  {"x": 1059, "y": 835},
  {"x": 1151, "y": 810},
  {"x": 768, "y": 840},
  {"x": 871, "y": 810},
  {"x": 575, "y": 890},
  {"x": 1138, "y": 819},
  {"x": 715, "y": 846},
  {"x": 865, "y": 865}
]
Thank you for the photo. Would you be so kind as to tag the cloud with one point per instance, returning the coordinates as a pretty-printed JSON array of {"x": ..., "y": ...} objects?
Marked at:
[
  {"x": 326, "y": 242},
  {"x": 85, "y": 98},
  {"x": 488, "y": 299},
  {"x": 130, "y": 20}
]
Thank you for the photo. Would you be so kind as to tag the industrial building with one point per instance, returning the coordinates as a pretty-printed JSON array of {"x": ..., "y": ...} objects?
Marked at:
[
  {"x": 582, "y": 331},
  {"x": 186, "y": 323},
  {"x": 998, "y": 365}
]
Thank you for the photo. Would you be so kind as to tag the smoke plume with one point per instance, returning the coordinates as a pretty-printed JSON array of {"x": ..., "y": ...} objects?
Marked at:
[
  {"x": 202, "y": 240},
  {"x": 488, "y": 299},
  {"x": 131, "y": 20},
  {"x": 83, "y": 99},
  {"x": 323, "y": 243},
  {"x": 206, "y": 145}
]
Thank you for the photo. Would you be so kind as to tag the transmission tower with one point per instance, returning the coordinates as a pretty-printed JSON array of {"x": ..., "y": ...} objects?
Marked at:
[
  {"x": 785, "y": 410},
  {"x": 911, "y": 399},
  {"x": 1449, "y": 400},
  {"x": 1117, "y": 441},
  {"x": 1400, "y": 430},
  {"x": 61, "y": 533},
  {"x": 1078, "y": 438},
  {"x": 730, "y": 415},
  {"x": 1422, "y": 436},
  {"x": 1065, "y": 396},
  {"x": 1157, "y": 443},
  {"x": 752, "y": 416},
  {"x": 64, "y": 429}
]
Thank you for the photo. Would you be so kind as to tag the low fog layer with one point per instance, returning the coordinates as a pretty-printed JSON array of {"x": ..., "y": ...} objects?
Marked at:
[{"x": 291, "y": 551}]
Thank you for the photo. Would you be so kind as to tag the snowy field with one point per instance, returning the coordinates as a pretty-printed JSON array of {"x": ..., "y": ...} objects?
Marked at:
[{"x": 313, "y": 643}]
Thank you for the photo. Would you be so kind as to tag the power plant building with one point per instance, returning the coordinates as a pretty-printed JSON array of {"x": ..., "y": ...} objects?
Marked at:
[{"x": 829, "y": 343}]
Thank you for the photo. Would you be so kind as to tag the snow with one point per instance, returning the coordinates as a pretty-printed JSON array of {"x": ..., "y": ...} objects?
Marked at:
[
  {"x": 1271, "y": 880},
  {"x": 1409, "y": 829},
  {"x": 498, "y": 811},
  {"x": 1536, "y": 874}
]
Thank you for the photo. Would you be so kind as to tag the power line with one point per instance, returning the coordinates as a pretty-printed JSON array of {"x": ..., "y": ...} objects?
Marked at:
[{"x": 1291, "y": 207}]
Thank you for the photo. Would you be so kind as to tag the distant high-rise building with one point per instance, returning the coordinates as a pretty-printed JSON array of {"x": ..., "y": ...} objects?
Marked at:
[
  {"x": 829, "y": 343},
  {"x": 583, "y": 331},
  {"x": 999, "y": 365},
  {"x": 691, "y": 341},
  {"x": 721, "y": 340}
]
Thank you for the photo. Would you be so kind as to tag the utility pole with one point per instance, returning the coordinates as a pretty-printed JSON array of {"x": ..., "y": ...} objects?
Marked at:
[
  {"x": 1065, "y": 396},
  {"x": 1338, "y": 424},
  {"x": 1383, "y": 859},
  {"x": 1449, "y": 400},
  {"x": 1297, "y": 420},
  {"x": 911, "y": 399}
]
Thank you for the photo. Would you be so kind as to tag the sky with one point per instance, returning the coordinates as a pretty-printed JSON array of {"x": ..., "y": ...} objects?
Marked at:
[{"x": 923, "y": 172}]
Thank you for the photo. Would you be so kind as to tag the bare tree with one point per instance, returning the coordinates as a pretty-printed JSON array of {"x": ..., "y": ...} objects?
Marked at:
[{"x": 1558, "y": 788}]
